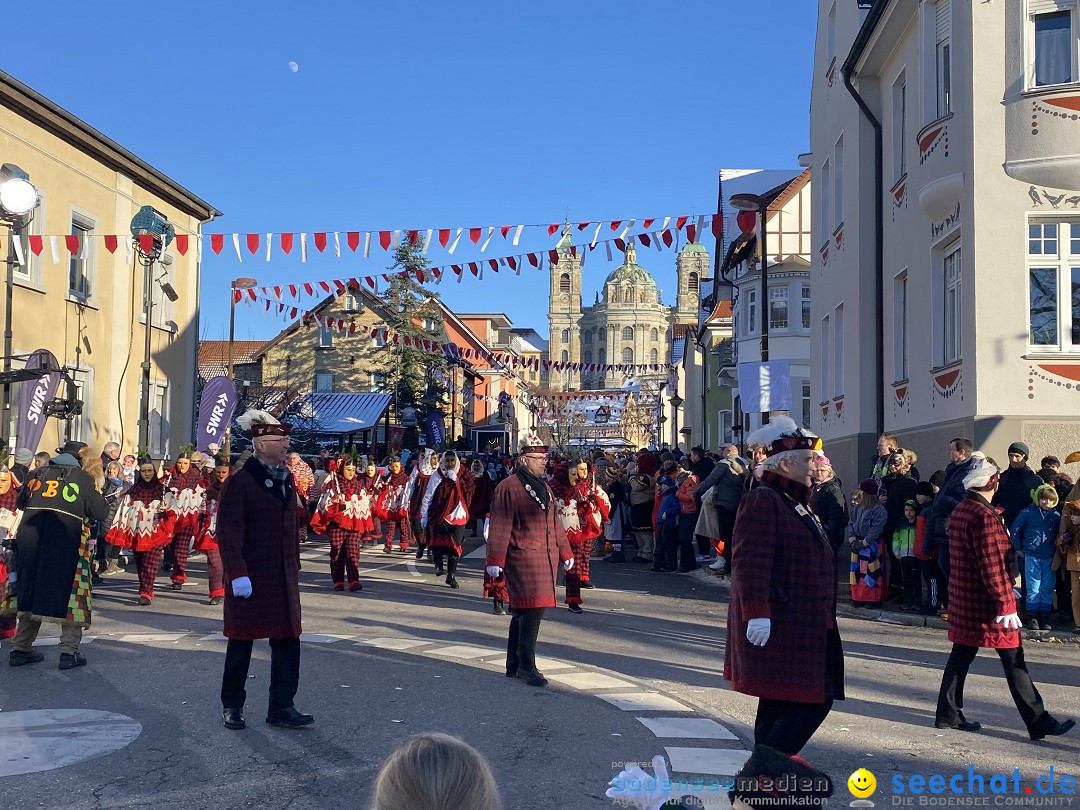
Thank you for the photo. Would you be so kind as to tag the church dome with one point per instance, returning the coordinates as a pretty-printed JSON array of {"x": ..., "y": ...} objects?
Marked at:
[
  {"x": 693, "y": 247},
  {"x": 630, "y": 271}
]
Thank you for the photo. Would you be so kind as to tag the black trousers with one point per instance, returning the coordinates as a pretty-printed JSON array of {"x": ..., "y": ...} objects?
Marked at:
[
  {"x": 668, "y": 556},
  {"x": 441, "y": 553},
  {"x": 787, "y": 725},
  {"x": 521, "y": 643},
  {"x": 284, "y": 673},
  {"x": 1026, "y": 697}
]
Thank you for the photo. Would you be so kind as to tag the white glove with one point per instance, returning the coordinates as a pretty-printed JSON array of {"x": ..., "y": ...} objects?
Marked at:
[
  {"x": 494, "y": 571},
  {"x": 241, "y": 587},
  {"x": 451, "y": 474},
  {"x": 758, "y": 631},
  {"x": 634, "y": 787},
  {"x": 486, "y": 522},
  {"x": 1010, "y": 621},
  {"x": 423, "y": 522},
  {"x": 568, "y": 564}
]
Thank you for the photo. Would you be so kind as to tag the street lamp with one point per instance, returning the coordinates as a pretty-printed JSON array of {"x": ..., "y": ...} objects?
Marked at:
[
  {"x": 243, "y": 283},
  {"x": 18, "y": 199},
  {"x": 760, "y": 203},
  {"x": 676, "y": 401}
]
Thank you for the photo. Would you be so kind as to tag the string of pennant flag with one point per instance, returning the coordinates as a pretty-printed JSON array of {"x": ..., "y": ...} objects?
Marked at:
[
  {"x": 497, "y": 359},
  {"x": 360, "y": 241}
]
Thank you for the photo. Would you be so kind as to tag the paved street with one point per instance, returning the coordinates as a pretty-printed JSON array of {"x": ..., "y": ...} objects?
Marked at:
[{"x": 408, "y": 654}]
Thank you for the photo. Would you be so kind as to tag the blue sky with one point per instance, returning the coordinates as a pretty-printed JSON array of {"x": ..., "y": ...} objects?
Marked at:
[{"x": 430, "y": 114}]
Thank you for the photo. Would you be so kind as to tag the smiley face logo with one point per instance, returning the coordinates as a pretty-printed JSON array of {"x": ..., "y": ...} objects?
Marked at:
[{"x": 861, "y": 783}]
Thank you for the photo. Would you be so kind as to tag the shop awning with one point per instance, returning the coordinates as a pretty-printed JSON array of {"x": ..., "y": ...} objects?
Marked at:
[{"x": 343, "y": 413}]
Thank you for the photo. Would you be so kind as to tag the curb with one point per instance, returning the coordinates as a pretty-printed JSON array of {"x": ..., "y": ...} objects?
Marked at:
[{"x": 847, "y": 611}]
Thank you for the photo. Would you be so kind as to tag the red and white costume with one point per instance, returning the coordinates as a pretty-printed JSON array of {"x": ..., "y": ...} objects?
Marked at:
[
  {"x": 583, "y": 509},
  {"x": 206, "y": 540},
  {"x": 9, "y": 522},
  {"x": 418, "y": 481},
  {"x": 344, "y": 515},
  {"x": 374, "y": 485},
  {"x": 184, "y": 497},
  {"x": 395, "y": 502},
  {"x": 143, "y": 524}
]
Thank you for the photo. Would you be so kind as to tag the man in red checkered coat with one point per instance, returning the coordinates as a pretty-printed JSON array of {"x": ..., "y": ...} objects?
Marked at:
[
  {"x": 259, "y": 539},
  {"x": 783, "y": 645},
  {"x": 526, "y": 544},
  {"x": 982, "y": 607}
]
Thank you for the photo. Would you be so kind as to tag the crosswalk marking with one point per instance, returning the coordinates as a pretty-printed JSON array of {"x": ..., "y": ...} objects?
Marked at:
[
  {"x": 322, "y": 638},
  {"x": 394, "y": 643},
  {"x": 708, "y": 761},
  {"x": 645, "y": 702},
  {"x": 696, "y": 728},
  {"x": 54, "y": 641},
  {"x": 464, "y": 651},
  {"x": 152, "y": 638},
  {"x": 590, "y": 680}
]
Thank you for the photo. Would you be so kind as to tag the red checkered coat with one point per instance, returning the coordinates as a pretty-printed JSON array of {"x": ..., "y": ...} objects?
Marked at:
[
  {"x": 980, "y": 587},
  {"x": 259, "y": 537},
  {"x": 527, "y": 542},
  {"x": 783, "y": 571}
]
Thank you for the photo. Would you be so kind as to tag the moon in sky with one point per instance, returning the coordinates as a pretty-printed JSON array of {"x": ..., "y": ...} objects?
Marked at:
[{"x": 294, "y": 67}]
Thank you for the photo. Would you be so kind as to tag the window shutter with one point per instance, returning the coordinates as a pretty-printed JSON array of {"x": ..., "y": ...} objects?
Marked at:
[{"x": 944, "y": 21}]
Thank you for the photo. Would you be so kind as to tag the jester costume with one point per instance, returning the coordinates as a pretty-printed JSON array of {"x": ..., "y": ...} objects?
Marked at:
[
  {"x": 206, "y": 540},
  {"x": 144, "y": 525},
  {"x": 344, "y": 515},
  {"x": 9, "y": 519},
  {"x": 373, "y": 484},
  {"x": 396, "y": 505},
  {"x": 418, "y": 481},
  {"x": 583, "y": 509},
  {"x": 184, "y": 495},
  {"x": 304, "y": 478}
]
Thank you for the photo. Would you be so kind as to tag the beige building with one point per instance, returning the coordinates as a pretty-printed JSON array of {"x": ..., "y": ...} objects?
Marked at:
[
  {"x": 627, "y": 325},
  {"x": 87, "y": 307}
]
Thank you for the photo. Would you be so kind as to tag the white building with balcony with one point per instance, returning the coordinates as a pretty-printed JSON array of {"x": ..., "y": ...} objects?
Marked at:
[{"x": 947, "y": 226}]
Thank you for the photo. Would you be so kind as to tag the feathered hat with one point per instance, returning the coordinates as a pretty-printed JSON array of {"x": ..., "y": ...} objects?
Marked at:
[
  {"x": 781, "y": 435},
  {"x": 256, "y": 423}
]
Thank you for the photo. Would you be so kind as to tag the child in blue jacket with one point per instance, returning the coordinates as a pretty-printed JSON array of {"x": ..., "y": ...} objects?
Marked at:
[
  {"x": 1034, "y": 533},
  {"x": 667, "y": 518}
]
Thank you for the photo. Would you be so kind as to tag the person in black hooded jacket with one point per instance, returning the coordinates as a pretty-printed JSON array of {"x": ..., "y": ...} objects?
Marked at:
[{"x": 1017, "y": 482}]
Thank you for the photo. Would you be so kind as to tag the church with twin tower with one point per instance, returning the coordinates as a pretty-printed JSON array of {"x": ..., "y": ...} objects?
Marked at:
[{"x": 628, "y": 324}]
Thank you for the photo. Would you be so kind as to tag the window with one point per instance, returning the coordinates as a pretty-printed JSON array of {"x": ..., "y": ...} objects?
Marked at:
[
  {"x": 564, "y": 283},
  {"x": 824, "y": 198},
  {"x": 806, "y": 403},
  {"x": 654, "y": 335},
  {"x": 900, "y": 356},
  {"x": 806, "y": 306},
  {"x": 1053, "y": 271},
  {"x": 326, "y": 337},
  {"x": 942, "y": 57},
  {"x": 30, "y": 270},
  {"x": 1054, "y": 45},
  {"x": 565, "y": 335},
  {"x": 692, "y": 283},
  {"x": 352, "y": 304},
  {"x": 778, "y": 308},
  {"x": 952, "y": 299},
  {"x": 81, "y": 266},
  {"x": 565, "y": 356},
  {"x": 654, "y": 356},
  {"x": 751, "y": 311},
  {"x": 601, "y": 357},
  {"x": 838, "y": 183},
  {"x": 81, "y": 428},
  {"x": 628, "y": 356},
  {"x": 586, "y": 338},
  {"x": 324, "y": 382},
  {"x": 587, "y": 359},
  {"x": 725, "y": 427},
  {"x": 628, "y": 333},
  {"x": 826, "y": 350},
  {"x": 899, "y": 128},
  {"x": 838, "y": 351},
  {"x": 379, "y": 381},
  {"x": 601, "y": 335}
]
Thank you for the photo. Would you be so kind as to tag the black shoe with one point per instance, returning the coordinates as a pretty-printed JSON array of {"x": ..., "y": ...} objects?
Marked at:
[
  {"x": 18, "y": 658},
  {"x": 532, "y": 678},
  {"x": 355, "y": 586},
  {"x": 289, "y": 718},
  {"x": 440, "y": 572},
  {"x": 1044, "y": 622},
  {"x": 615, "y": 557},
  {"x": 95, "y": 579},
  {"x": 233, "y": 719},
  {"x": 420, "y": 554},
  {"x": 511, "y": 673},
  {"x": 499, "y": 610},
  {"x": 587, "y": 585},
  {"x": 143, "y": 601},
  {"x": 962, "y": 725},
  {"x": 452, "y": 581},
  {"x": 215, "y": 600},
  {"x": 1076, "y": 630},
  {"x": 69, "y": 661},
  {"x": 387, "y": 550},
  {"x": 177, "y": 586},
  {"x": 575, "y": 608},
  {"x": 658, "y": 569},
  {"x": 1052, "y": 728}
]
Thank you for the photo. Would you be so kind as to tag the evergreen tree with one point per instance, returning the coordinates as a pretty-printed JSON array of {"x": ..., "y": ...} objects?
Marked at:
[{"x": 411, "y": 306}]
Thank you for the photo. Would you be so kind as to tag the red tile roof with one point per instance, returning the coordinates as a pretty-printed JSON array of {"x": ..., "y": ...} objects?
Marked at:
[
  {"x": 721, "y": 313},
  {"x": 214, "y": 355}
]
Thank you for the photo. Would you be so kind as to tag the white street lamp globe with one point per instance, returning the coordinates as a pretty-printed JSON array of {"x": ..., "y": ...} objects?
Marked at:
[{"x": 18, "y": 197}]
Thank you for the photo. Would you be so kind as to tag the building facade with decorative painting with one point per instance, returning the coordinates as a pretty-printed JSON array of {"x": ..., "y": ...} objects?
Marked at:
[{"x": 964, "y": 320}]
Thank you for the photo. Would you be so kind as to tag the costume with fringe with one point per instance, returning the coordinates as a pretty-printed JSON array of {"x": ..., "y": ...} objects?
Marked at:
[
  {"x": 143, "y": 524},
  {"x": 184, "y": 495}
]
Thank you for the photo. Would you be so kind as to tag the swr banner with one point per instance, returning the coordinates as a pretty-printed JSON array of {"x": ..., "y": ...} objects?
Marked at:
[
  {"x": 215, "y": 411},
  {"x": 34, "y": 398}
]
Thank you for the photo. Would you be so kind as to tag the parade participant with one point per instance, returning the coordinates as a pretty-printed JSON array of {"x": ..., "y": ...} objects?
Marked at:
[
  {"x": 304, "y": 479},
  {"x": 526, "y": 542},
  {"x": 344, "y": 515},
  {"x": 54, "y": 555},
  {"x": 9, "y": 520},
  {"x": 782, "y": 643},
  {"x": 445, "y": 512},
  {"x": 425, "y": 465},
  {"x": 260, "y": 550},
  {"x": 396, "y": 497},
  {"x": 480, "y": 504},
  {"x": 583, "y": 508},
  {"x": 184, "y": 494},
  {"x": 206, "y": 539},
  {"x": 374, "y": 483},
  {"x": 143, "y": 524},
  {"x": 982, "y": 607}
]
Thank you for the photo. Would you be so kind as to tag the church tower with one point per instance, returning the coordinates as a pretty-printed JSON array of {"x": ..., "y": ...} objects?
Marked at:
[
  {"x": 564, "y": 314},
  {"x": 692, "y": 266}
]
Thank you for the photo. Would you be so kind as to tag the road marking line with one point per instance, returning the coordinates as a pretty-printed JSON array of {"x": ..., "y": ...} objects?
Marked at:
[
  {"x": 464, "y": 651},
  {"x": 710, "y": 761},
  {"x": 645, "y": 702},
  {"x": 590, "y": 680},
  {"x": 214, "y": 637},
  {"x": 411, "y": 565},
  {"x": 695, "y": 728},
  {"x": 151, "y": 638},
  {"x": 322, "y": 638},
  {"x": 395, "y": 643},
  {"x": 54, "y": 641}
]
